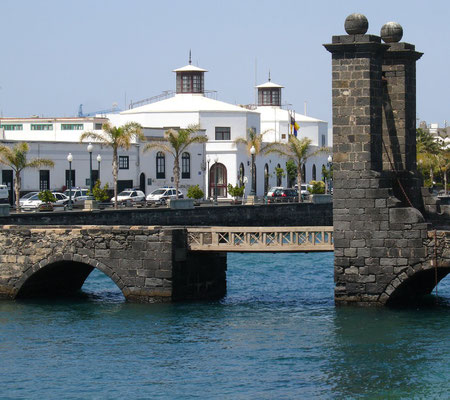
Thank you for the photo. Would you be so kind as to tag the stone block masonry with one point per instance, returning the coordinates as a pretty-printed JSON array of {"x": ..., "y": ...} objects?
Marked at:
[
  {"x": 381, "y": 240},
  {"x": 148, "y": 264}
]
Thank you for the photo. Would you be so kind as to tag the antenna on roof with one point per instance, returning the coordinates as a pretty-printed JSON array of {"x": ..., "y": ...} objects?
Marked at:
[
  {"x": 190, "y": 60},
  {"x": 269, "y": 75}
]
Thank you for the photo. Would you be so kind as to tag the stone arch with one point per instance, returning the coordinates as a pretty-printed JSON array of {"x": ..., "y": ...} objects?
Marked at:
[
  {"x": 76, "y": 268},
  {"x": 413, "y": 283}
]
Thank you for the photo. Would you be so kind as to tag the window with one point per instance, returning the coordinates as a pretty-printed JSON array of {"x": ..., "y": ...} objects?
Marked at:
[
  {"x": 98, "y": 126},
  {"x": 223, "y": 133},
  {"x": 186, "y": 166},
  {"x": 279, "y": 173},
  {"x": 44, "y": 180},
  {"x": 12, "y": 127},
  {"x": 160, "y": 165},
  {"x": 241, "y": 175},
  {"x": 41, "y": 127},
  {"x": 266, "y": 179},
  {"x": 323, "y": 140},
  {"x": 269, "y": 97},
  {"x": 71, "y": 127},
  {"x": 124, "y": 162},
  {"x": 314, "y": 172},
  {"x": 190, "y": 82}
]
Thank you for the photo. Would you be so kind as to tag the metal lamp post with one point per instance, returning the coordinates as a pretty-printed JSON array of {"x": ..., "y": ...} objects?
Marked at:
[
  {"x": 99, "y": 160},
  {"x": 216, "y": 178},
  {"x": 70, "y": 159},
  {"x": 252, "y": 152},
  {"x": 208, "y": 183},
  {"x": 330, "y": 164},
  {"x": 89, "y": 149}
]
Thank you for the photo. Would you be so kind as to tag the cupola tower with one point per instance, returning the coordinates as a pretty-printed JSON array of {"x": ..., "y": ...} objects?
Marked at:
[
  {"x": 190, "y": 79},
  {"x": 269, "y": 94}
]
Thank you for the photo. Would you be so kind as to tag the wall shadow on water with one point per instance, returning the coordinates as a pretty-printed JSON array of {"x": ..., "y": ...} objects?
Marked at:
[{"x": 391, "y": 353}]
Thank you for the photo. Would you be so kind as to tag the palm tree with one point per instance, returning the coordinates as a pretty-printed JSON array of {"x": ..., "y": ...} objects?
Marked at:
[
  {"x": 297, "y": 150},
  {"x": 254, "y": 140},
  {"x": 427, "y": 149},
  {"x": 16, "y": 158},
  {"x": 175, "y": 142},
  {"x": 116, "y": 137}
]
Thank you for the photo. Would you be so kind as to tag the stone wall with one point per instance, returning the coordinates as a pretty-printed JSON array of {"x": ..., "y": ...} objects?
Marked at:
[
  {"x": 380, "y": 236},
  {"x": 147, "y": 264},
  {"x": 291, "y": 214}
]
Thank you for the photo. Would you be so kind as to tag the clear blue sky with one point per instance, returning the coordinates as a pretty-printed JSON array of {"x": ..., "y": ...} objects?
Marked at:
[{"x": 58, "y": 54}]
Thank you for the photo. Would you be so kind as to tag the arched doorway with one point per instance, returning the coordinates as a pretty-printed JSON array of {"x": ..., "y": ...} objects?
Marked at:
[
  {"x": 266, "y": 179},
  {"x": 303, "y": 173},
  {"x": 142, "y": 182},
  {"x": 314, "y": 172},
  {"x": 279, "y": 173},
  {"x": 218, "y": 180}
]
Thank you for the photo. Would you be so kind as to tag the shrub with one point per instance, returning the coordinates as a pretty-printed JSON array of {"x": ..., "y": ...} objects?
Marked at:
[
  {"x": 194, "y": 192},
  {"x": 318, "y": 187},
  {"x": 235, "y": 191},
  {"x": 46, "y": 196},
  {"x": 99, "y": 193}
]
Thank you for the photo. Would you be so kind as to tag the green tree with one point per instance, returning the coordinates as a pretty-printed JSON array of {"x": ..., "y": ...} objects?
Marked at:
[
  {"x": 176, "y": 142},
  {"x": 194, "y": 192},
  {"x": 291, "y": 169},
  {"x": 46, "y": 196},
  {"x": 297, "y": 150},
  {"x": 427, "y": 150},
  {"x": 116, "y": 138},
  {"x": 16, "y": 158},
  {"x": 99, "y": 193},
  {"x": 236, "y": 191},
  {"x": 254, "y": 139}
]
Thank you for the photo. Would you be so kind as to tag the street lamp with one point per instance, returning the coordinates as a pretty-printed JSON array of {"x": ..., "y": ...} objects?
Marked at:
[
  {"x": 208, "y": 183},
  {"x": 252, "y": 152},
  {"x": 89, "y": 149},
  {"x": 216, "y": 177},
  {"x": 99, "y": 160},
  {"x": 330, "y": 164},
  {"x": 70, "y": 159}
]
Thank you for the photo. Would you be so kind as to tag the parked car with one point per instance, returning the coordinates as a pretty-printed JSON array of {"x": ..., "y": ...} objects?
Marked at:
[
  {"x": 33, "y": 202},
  {"x": 26, "y": 197},
  {"x": 161, "y": 195},
  {"x": 273, "y": 190},
  {"x": 282, "y": 195},
  {"x": 129, "y": 195},
  {"x": 79, "y": 195},
  {"x": 4, "y": 194}
]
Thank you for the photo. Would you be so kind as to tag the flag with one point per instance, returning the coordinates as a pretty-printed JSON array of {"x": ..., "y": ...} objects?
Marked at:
[{"x": 294, "y": 126}]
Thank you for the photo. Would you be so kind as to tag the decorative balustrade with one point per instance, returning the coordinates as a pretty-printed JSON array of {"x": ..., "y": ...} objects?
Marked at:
[{"x": 260, "y": 239}]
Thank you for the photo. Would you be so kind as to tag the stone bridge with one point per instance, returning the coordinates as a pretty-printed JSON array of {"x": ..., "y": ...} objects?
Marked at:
[{"x": 148, "y": 264}]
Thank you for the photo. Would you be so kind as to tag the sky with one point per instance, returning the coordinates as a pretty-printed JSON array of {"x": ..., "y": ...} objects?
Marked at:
[{"x": 56, "y": 55}]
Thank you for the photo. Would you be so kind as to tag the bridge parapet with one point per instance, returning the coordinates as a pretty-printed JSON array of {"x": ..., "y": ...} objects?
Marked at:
[{"x": 262, "y": 239}]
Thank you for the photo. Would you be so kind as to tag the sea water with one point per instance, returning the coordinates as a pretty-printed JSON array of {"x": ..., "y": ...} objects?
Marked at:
[{"x": 276, "y": 335}]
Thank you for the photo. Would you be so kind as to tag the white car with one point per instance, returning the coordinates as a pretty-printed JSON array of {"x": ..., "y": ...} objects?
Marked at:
[
  {"x": 130, "y": 195},
  {"x": 4, "y": 194},
  {"x": 78, "y": 195},
  {"x": 33, "y": 202},
  {"x": 161, "y": 195}
]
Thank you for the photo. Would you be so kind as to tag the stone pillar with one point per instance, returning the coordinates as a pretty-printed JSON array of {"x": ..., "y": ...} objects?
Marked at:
[
  {"x": 357, "y": 101},
  {"x": 375, "y": 239},
  {"x": 399, "y": 114}
]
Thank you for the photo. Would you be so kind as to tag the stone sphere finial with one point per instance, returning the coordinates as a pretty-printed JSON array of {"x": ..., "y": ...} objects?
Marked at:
[
  {"x": 391, "y": 32},
  {"x": 356, "y": 24}
]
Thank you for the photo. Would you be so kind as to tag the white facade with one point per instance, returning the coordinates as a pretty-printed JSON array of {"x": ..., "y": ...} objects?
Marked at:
[{"x": 222, "y": 123}]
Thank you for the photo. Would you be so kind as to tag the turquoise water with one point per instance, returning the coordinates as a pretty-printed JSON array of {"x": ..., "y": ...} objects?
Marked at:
[{"x": 277, "y": 335}]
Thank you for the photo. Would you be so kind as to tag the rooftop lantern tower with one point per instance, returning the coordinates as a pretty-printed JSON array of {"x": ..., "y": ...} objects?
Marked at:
[
  {"x": 190, "y": 79},
  {"x": 269, "y": 94}
]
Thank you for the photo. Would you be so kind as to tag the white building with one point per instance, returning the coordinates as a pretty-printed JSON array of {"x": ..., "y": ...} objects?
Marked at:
[{"x": 221, "y": 122}]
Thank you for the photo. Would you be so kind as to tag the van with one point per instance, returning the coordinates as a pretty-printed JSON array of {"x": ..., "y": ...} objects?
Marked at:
[{"x": 4, "y": 194}]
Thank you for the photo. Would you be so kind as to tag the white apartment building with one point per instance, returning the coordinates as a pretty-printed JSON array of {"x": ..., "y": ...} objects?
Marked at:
[{"x": 212, "y": 165}]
